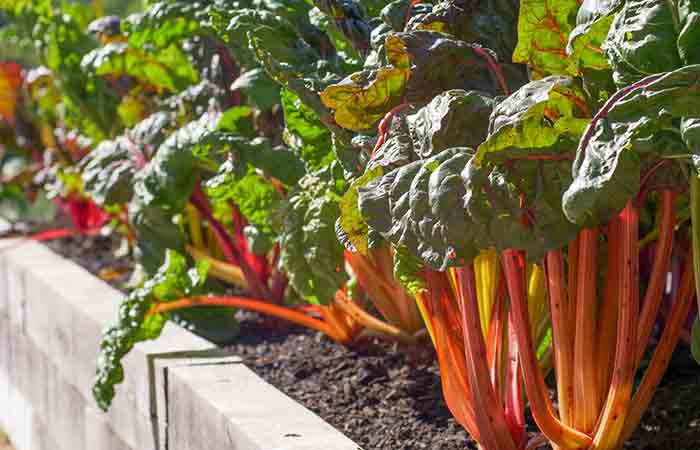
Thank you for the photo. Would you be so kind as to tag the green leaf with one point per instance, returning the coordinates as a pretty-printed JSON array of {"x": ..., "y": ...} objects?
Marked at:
[
  {"x": 353, "y": 226},
  {"x": 152, "y": 131},
  {"x": 311, "y": 255},
  {"x": 304, "y": 132},
  {"x": 644, "y": 38},
  {"x": 255, "y": 196},
  {"x": 546, "y": 116},
  {"x": 363, "y": 98},
  {"x": 238, "y": 120},
  {"x": 167, "y": 69},
  {"x": 170, "y": 176},
  {"x": 108, "y": 172},
  {"x": 259, "y": 88},
  {"x": 639, "y": 127},
  {"x": 173, "y": 280},
  {"x": 454, "y": 118},
  {"x": 277, "y": 162},
  {"x": 489, "y": 23},
  {"x": 419, "y": 206},
  {"x": 593, "y": 22},
  {"x": 164, "y": 23},
  {"x": 544, "y": 27},
  {"x": 408, "y": 271}
]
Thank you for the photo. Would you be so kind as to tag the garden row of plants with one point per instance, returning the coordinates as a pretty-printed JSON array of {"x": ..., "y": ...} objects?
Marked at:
[{"x": 513, "y": 182}]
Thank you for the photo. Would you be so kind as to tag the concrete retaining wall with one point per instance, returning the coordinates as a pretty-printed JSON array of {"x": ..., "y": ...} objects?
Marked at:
[{"x": 180, "y": 392}]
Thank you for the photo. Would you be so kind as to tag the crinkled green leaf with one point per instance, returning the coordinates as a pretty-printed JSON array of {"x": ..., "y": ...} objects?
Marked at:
[
  {"x": 593, "y": 23},
  {"x": 311, "y": 255},
  {"x": 544, "y": 27},
  {"x": 255, "y": 197},
  {"x": 455, "y": 118},
  {"x": 422, "y": 65},
  {"x": 277, "y": 162},
  {"x": 645, "y": 38},
  {"x": 544, "y": 116},
  {"x": 411, "y": 207},
  {"x": 168, "y": 179},
  {"x": 152, "y": 131},
  {"x": 108, "y": 172},
  {"x": 637, "y": 130},
  {"x": 238, "y": 120},
  {"x": 164, "y": 23},
  {"x": 490, "y": 23},
  {"x": 173, "y": 280},
  {"x": 304, "y": 132}
]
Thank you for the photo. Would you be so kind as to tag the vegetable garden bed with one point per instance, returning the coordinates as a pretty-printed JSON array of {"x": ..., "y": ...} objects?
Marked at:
[
  {"x": 382, "y": 397},
  {"x": 51, "y": 316},
  {"x": 514, "y": 184}
]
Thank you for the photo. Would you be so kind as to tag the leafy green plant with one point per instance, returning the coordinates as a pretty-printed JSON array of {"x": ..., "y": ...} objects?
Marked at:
[{"x": 497, "y": 172}]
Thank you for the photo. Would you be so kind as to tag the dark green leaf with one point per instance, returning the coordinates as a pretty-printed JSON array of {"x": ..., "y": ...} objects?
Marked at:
[{"x": 173, "y": 280}]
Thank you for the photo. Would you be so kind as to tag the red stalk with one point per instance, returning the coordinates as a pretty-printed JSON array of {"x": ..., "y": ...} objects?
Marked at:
[
  {"x": 514, "y": 404},
  {"x": 231, "y": 252}
]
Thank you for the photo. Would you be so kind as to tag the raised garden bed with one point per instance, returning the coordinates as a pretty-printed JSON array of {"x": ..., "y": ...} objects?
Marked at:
[
  {"x": 52, "y": 313},
  {"x": 383, "y": 397}
]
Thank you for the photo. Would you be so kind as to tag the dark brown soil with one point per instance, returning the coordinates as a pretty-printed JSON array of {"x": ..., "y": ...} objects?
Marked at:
[
  {"x": 386, "y": 398},
  {"x": 97, "y": 254}
]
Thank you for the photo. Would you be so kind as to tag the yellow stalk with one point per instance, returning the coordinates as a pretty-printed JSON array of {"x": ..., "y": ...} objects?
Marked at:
[
  {"x": 195, "y": 223},
  {"x": 537, "y": 302},
  {"x": 219, "y": 269},
  {"x": 487, "y": 271},
  {"x": 421, "y": 301}
]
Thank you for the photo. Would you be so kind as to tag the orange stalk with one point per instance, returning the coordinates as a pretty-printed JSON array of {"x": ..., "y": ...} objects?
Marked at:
[
  {"x": 612, "y": 419},
  {"x": 541, "y": 406},
  {"x": 586, "y": 405},
  {"x": 607, "y": 328},
  {"x": 660, "y": 268},
  {"x": 662, "y": 353},
  {"x": 370, "y": 322},
  {"x": 442, "y": 311},
  {"x": 389, "y": 297},
  {"x": 250, "y": 305},
  {"x": 495, "y": 433},
  {"x": 561, "y": 334}
]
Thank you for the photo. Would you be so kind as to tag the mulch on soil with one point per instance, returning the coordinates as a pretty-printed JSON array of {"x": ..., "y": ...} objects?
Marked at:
[{"x": 387, "y": 398}]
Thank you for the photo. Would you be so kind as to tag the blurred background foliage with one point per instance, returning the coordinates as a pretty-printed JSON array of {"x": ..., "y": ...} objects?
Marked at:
[{"x": 14, "y": 48}]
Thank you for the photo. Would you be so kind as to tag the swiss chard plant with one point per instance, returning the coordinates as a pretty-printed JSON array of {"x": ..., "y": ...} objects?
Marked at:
[{"x": 518, "y": 181}]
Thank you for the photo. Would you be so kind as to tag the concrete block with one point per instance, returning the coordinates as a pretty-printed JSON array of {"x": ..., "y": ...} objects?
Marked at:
[
  {"x": 40, "y": 435},
  {"x": 4, "y": 299},
  {"x": 16, "y": 295},
  {"x": 238, "y": 409},
  {"x": 65, "y": 413},
  {"x": 18, "y": 419},
  {"x": 99, "y": 434}
]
